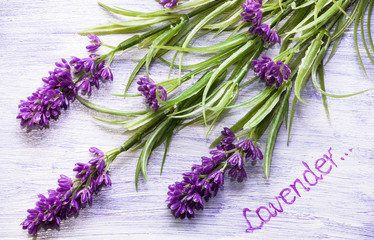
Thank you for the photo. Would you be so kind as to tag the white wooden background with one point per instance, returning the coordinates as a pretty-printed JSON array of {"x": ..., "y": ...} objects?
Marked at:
[{"x": 35, "y": 33}]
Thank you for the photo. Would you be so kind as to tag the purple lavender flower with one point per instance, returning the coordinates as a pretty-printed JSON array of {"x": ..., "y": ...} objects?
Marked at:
[
  {"x": 265, "y": 31},
  {"x": 252, "y": 12},
  {"x": 60, "y": 88},
  {"x": 227, "y": 140},
  {"x": 270, "y": 72},
  {"x": 250, "y": 149},
  {"x": 204, "y": 180},
  {"x": 70, "y": 195},
  {"x": 148, "y": 89},
  {"x": 95, "y": 43},
  {"x": 168, "y": 3},
  {"x": 105, "y": 73}
]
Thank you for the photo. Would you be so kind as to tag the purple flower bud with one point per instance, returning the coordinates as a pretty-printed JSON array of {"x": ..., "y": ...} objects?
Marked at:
[
  {"x": 217, "y": 177},
  {"x": 227, "y": 132},
  {"x": 104, "y": 178},
  {"x": 236, "y": 160},
  {"x": 105, "y": 73},
  {"x": 265, "y": 31},
  {"x": 84, "y": 85},
  {"x": 84, "y": 195},
  {"x": 89, "y": 65},
  {"x": 270, "y": 72},
  {"x": 218, "y": 155},
  {"x": 252, "y": 12},
  {"x": 95, "y": 43},
  {"x": 83, "y": 171},
  {"x": 148, "y": 89},
  {"x": 100, "y": 165},
  {"x": 168, "y": 3}
]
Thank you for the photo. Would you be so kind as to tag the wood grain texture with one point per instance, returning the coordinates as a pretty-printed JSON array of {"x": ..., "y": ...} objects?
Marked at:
[{"x": 34, "y": 34}]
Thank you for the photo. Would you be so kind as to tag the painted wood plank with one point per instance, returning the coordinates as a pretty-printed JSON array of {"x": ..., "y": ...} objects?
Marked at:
[{"x": 35, "y": 34}]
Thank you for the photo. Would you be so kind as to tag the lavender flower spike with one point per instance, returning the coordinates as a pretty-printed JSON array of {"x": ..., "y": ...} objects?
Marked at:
[
  {"x": 168, "y": 3},
  {"x": 265, "y": 31},
  {"x": 70, "y": 195},
  {"x": 270, "y": 72},
  {"x": 252, "y": 12},
  {"x": 148, "y": 89},
  {"x": 95, "y": 43},
  {"x": 47, "y": 101},
  {"x": 203, "y": 181},
  {"x": 60, "y": 88}
]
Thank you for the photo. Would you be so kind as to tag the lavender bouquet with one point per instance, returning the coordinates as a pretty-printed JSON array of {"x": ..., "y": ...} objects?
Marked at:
[{"x": 304, "y": 30}]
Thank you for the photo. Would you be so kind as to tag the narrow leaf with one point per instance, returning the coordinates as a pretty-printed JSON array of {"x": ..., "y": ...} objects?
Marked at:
[
  {"x": 107, "y": 110},
  {"x": 273, "y": 133}
]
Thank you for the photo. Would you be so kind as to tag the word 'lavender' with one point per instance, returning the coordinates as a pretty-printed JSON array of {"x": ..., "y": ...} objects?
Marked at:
[
  {"x": 204, "y": 180},
  {"x": 270, "y": 72},
  {"x": 70, "y": 195},
  {"x": 168, "y": 3},
  {"x": 61, "y": 87},
  {"x": 148, "y": 89}
]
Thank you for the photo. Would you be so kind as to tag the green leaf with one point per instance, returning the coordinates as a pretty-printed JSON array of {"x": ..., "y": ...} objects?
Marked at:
[
  {"x": 261, "y": 128},
  {"x": 273, "y": 133},
  {"x": 137, "y": 122},
  {"x": 340, "y": 8},
  {"x": 233, "y": 21},
  {"x": 111, "y": 29},
  {"x": 324, "y": 17},
  {"x": 266, "y": 108},
  {"x": 178, "y": 8},
  {"x": 294, "y": 19},
  {"x": 144, "y": 22},
  {"x": 211, "y": 16},
  {"x": 361, "y": 10},
  {"x": 305, "y": 4},
  {"x": 232, "y": 42},
  {"x": 239, "y": 124},
  {"x": 338, "y": 39},
  {"x": 322, "y": 84},
  {"x": 107, "y": 110},
  {"x": 135, "y": 72},
  {"x": 235, "y": 57},
  {"x": 353, "y": 15},
  {"x": 217, "y": 101},
  {"x": 368, "y": 26},
  {"x": 167, "y": 143},
  {"x": 306, "y": 65},
  {"x": 147, "y": 149},
  {"x": 363, "y": 37},
  {"x": 190, "y": 91},
  {"x": 164, "y": 39},
  {"x": 217, "y": 57},
  {"x": 142, "y": 132},
  {"x": 291, "y": 119},
  {"x": 149, "y": 40},
  {"x": 171, "y": 84},
  {"x": 231, "y": 18},
  {"x": 321, "y": 89},
  {"x": 120, "y": 11},
  {"x": 256, "y": 99}
]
